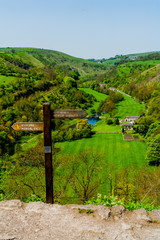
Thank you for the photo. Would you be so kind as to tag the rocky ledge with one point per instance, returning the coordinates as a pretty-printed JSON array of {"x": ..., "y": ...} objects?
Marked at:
[{"x": 37, "y": 220}]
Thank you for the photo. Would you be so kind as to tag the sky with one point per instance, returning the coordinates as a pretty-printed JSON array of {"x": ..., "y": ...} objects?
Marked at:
[{"x": 82, "y": 28}]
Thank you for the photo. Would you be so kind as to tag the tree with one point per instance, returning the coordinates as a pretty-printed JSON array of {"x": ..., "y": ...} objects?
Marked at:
[
  {"x": 100, "y": 107},
  {"x": 154, "y": 108},
  {"x": 69, "y": 81},
  {"x": 69, "y": 135},
  {"x": 116, "y": 121},
  {"x": 13, "y": 50},
  {"x": 6, "y": 143},
  {"x": 94, "y": 85},
  {"x": 153, "y": 152},
  {"x": 109, "y": 107},
  {"x": 93, "y": 111},
  {"x": 82, "y": 123},
  {"x": 116, "y": 97},
  {"x": 143, "y": 124},
  {"x": 86, "y": 175},
  {"x": 109, "y": 121},
  {"x": 153, "y": 130}
]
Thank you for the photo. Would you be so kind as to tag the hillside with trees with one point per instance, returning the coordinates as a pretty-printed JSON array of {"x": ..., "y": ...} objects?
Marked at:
[
  {"x": 139, "y": 76},
  {"x": 27, "y": 80},
  {"x": 30, "y": 77}
]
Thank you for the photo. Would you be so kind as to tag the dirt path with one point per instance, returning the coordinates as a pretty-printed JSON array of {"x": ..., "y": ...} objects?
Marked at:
[{"x": 28, "y": 141}]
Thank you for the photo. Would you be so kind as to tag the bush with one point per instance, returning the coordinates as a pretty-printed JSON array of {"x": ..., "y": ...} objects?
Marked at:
[
  {"x": 71, "y": 134},
  {"x": 109, "y": 121},
  {"x": 93, "y": 111},
  {"x": 153, "y": 151},
  {"x": 33, "y": 198},
  {"x": 116, "y": 121},
  {"x": 110, "y": 201}
]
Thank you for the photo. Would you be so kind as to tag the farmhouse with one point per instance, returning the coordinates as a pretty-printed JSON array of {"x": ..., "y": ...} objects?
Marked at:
[
  {"x": 102, "y": 85},
  {"x": 127, "y": 126},
  {"x": 131, "y": 119}
]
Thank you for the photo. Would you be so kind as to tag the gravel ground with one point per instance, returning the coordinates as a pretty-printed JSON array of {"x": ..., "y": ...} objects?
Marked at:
[{"x": 36, "y": 220}]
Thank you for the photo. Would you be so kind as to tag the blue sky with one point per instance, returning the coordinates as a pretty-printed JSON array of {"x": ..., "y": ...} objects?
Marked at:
[{"x": 82, "y": 28}]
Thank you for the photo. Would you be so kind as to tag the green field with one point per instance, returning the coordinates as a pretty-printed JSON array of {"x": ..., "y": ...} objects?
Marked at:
[
  {"x": 30, "y": 59},
  {"x": 97, "y": 95},
  {"x": 129, "y": 107},
  {"x": 7, "y": 80},
  {"x": 101, "y": 126},
  {"x": 111, "y": 146}
]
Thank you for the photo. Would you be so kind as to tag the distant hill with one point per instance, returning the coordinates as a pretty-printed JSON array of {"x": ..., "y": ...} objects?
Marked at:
[
  {"x": 124, "y": 58},
  {"x": 41, "y": 57}
]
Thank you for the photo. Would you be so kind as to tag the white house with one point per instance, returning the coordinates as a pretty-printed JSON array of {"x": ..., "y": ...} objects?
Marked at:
[
  {"x": 127, "y": 126},
  {"x": 102, "y": 85},
  {"x": 131, "y": 119}
]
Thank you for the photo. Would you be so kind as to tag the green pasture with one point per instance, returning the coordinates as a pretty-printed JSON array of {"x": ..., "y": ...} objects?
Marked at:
[
  {"x": 7, "y": 80},
  {"x": 97, "y": 95},
  {"x": 113, "y": 148},
  {"x": 116, "y": 154},
  {"x": 29, "y": 58},
  {"x": 101, "y": 126},
  {"x": 129, "y": 107}
]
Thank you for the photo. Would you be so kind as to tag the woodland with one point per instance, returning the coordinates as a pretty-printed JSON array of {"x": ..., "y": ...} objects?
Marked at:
[{"x": 30, "y": 77}]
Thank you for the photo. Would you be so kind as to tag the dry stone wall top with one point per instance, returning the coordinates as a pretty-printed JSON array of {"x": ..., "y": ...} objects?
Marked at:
[{"x": 36, "y": 220}]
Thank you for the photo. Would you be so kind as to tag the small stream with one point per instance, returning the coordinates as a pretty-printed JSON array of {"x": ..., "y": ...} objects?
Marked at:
[{"x": 93, "y": 120}]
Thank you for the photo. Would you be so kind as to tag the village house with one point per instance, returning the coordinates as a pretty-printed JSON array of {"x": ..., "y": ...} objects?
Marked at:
[
  {"x": 127, "y": 126},
  {"x": 131, "y": 119},
  {"x": 129, "y": 122},
  {"x": 102, "y": 85}
]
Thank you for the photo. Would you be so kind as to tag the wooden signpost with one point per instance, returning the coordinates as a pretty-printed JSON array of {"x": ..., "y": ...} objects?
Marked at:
[
  {"x": 68, "y": 113},
  {"x": 28, "y": 126},
  {"x": 46, "y": 127}
]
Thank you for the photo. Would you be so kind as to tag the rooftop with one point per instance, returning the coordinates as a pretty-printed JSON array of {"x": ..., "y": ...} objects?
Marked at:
[
  {"x": 127, "y": 124},
  {"x": 132, "y": 116}
]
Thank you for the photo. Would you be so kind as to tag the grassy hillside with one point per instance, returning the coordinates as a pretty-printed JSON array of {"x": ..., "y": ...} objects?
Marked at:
[
  {"x": 112, "y": 146},
  {"x": 42, "y": 57},
  {"x": 102, "y": 127},
  {"x": 29, "y": 77},
  {"x": 127, "y": 107},
  {"x": 7, "y": 79},
  {"x": 98, "y": 96},
  {"x": 122, "y": 58},
  {"x": 116, "y": 155}
]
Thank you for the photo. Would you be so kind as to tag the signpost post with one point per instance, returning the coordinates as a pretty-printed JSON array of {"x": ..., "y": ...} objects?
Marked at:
[
  {"x": 46, "y": 127},
  {"x": 48, "y": 152}
]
